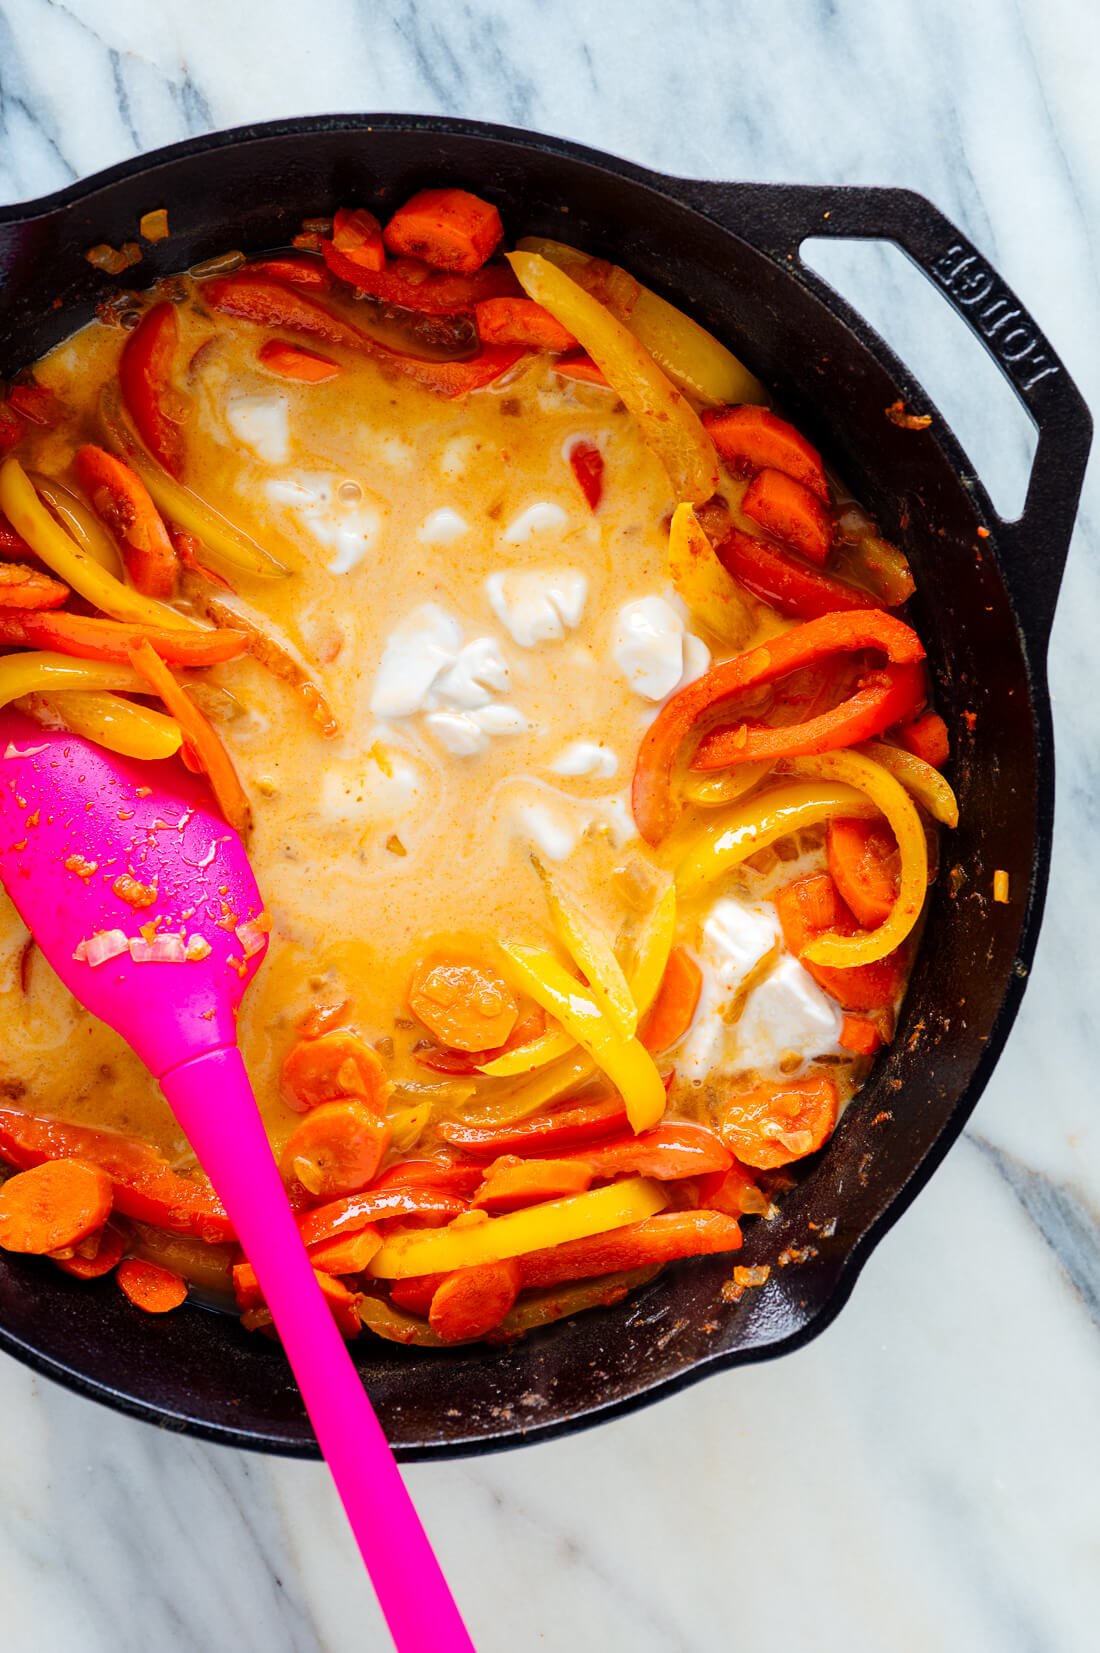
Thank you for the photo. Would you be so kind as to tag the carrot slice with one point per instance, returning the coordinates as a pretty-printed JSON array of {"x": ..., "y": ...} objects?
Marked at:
[
  {"x": 464, "y": 1002},
  {"x": 791, "y": 512},
  {"x": 28, "y": 588},
  {"x": 416, "y": 1292},
  {"x": 53, "y": 1206},
  {"x": 926, "y": 737},
  {"x": 324, "y": 1018},
  {"x": 586, "y": 462},
  {"x": 343, "y": 1302},
  {"x": 200, "y": 735},
  {"x": 677, "y": 1000},
  {"x": 861, "y": 1035},
  {"x": 90, "y": 638},
  {"x": 512, "y": 1183},
  {"x": 106, "y": 1253},
  {"x": 346, "y": 1253},
  {"x": 358, "y": 235},
  {"x": 151, "y": 1287},
  {"x": 812, "y": 905},
  {"x": 521, "y": 321},
  {"x": 660, "y": 1239},
  {"x": 863, "y": 861},
  {"x": 449, "y": 229},
  {"x": 144, "y": 376},
  {"x": 771, "y": 1125},
  {"x": 293, "y": 361},
  {"x": 751, "y": 439},
  {"x": 331, "y": 1067},
  {"x": 119, "y": 496},
  {"x": 336, "y": 1149},
  {"x": 473, "y": 1301}
]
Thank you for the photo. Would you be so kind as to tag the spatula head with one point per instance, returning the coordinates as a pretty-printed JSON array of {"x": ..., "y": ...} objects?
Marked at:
[{"x": 136, "y": 890}]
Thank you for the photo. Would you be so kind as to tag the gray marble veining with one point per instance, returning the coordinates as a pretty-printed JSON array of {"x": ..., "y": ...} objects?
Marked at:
[{"x": 921, "y": 1477}]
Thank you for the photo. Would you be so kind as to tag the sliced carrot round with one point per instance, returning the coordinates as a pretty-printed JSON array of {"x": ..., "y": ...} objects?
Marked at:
[
  {"x": 771, "y": 1125},
  {"x": 104, "y": 1252},
  {"x": 151, "y": 1287},
  {"x": 863, "y": 859},
  {"x": 53, "y": 1206},
  {"x": 331, "y": 1067},
  {"x": 336, "y": 1149},
  {"x": 473, "y": 1301},
  {"x": 465, "y": 1003}
]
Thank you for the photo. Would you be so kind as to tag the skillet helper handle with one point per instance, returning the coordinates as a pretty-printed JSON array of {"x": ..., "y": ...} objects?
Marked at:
[
  {"x": 212, "y": 1098},
  {"x": 778, "y": 218}
]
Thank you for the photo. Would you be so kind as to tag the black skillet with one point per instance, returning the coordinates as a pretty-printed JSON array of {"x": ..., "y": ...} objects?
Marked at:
[{"x": 729, "y": 254}]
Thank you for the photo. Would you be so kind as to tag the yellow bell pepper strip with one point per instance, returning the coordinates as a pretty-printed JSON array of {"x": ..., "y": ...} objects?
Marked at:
[
  {"x": 462, "y": 1243},
  {"x": 84, "y": 526},
  {"x": 651, "y": 960},
  {"x": 551, "y": 1081},
  {"x": 538, "y": 1053},
  {"x": 890, "y": 798},
  {"x": 711, "y": 790},
  {"x": 692, "y": 357},
  {"x": 22, "y": 674},
  {"x": 919, "y": 779},
  {"x": 759, "y": 821},
  {"x": 626, "y": 1062},
  {"x": 713, "y": 596},
  {"x": 668, "y": 422},
  {"x": 591, "y": 952},
  {"x": 227, "y": 547},
  {"x": 119, "y": 725},
  {"x": 71, "y": 563},
  {"x": 854, "y": 720}
]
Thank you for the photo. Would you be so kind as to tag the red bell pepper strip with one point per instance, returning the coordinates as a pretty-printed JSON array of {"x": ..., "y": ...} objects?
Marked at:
[
  {"x": 36, "y": 403},
  {"x": 810, "y": 906},
  {"x": 926, "y": 737},
  {"x": 733, "y": 1191},
  {"x": 145, "y": 379},
  {"x": 673, "y": 1149},
  {"x": 11, "y": 428},
  {"x": 446, "y": 1175},
  {"x": 459, "y": 378},
  {"x": 295, "y": 270},
  {"x": 146, "y": 1187},
  {"x": 269, "y": 303},
  {"x": 415, "y": 1293},
  {"x": 373, "y": 1205},
  {"x": 878, "y": 701},
  {"x": 414, "y": 286},
  {"x": 673, "y": 1010},
  {"x": 785, "y": 582},
  {"x": 566, "y": 1127},
  {"x": 790, "y": 512},
  {"x": 660, "y": 1239},
  {"x": 119, "y": 496},
  {"x": 448, "y": 228},
  {"x": 11, "y": 543},
  {"x": 751, "y": 439},
  {"x": 654, "y": 809},
  {"x": 357, "y": 234},
  {"x": 586, "y": 461},
  {"x": 90, "y": 638},
  {"x": 29, "y": 588}
]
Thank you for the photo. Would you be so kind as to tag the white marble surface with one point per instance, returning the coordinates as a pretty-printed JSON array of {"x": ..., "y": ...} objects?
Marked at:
[{"x": 923, "y": 1476}]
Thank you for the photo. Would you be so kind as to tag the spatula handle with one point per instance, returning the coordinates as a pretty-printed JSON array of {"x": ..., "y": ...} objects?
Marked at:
[{"x": 212, "y": 1098}]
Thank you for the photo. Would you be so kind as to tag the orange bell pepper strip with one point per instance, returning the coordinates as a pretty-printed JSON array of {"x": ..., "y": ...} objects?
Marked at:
[
  {"x": 120, "y": 498},
  {"x": 661, "y": 1239},
  {"x": 521, "y": 321},
  {"x": 812, "y": 906},
  {"x": 199, "y": 734},
  {"x": 145, "y": 1186},
  {"x": 54, "y": 1206},
  {"x": 926, "y": 737},
  {"x": 29, "y": 589},
  {"x": 586, "y": 462},
  {"x": 375, "y": 1205},
  {"x": 343, "y": 1302},
  {"x": 772, "y": 1125},
  {"x": 450, "y": 229},
  {"x": 413, "y": 286},
  {"x": 863, "y": 861},
  {"x": 817, "y": 640},
  {"x": 11, "y": 543},
  {"x": 675, "y": 1005},
  {"x": 293, "y": 361},
  {"x": 90, "y": 638},
  {"x": 786, "y": 583},
  {"x": 566, "y": 1127},
  {"x": 512, "y": 1183},
  {"x": 790, "y": 512},
  {"x": 474, "y": 1301},
  {"x": 357, "y": 234},
  {"x": 751, "y": 439},
  {"x": 145, "y": 379}
]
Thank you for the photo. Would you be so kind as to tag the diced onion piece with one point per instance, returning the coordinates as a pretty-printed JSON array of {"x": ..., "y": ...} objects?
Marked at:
[
  {"x": 166, "y": 949},
  {"x": 108, "y": 944},
  {"x": 252, "y": 935}
]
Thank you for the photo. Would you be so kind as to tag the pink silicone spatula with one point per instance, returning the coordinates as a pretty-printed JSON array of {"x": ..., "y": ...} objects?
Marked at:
[{"x": 76, "y": 823}]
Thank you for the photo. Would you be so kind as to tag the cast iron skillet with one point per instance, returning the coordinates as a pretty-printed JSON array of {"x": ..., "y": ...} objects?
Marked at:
[{"x": 729, "y": 253}]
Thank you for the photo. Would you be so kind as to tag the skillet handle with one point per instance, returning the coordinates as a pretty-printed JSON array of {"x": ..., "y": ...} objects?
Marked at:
[{"x": 777, "y": 218}]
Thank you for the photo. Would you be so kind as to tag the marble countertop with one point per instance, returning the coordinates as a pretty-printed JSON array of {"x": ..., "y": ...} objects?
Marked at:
[{"x": 919, "y": 1477}]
